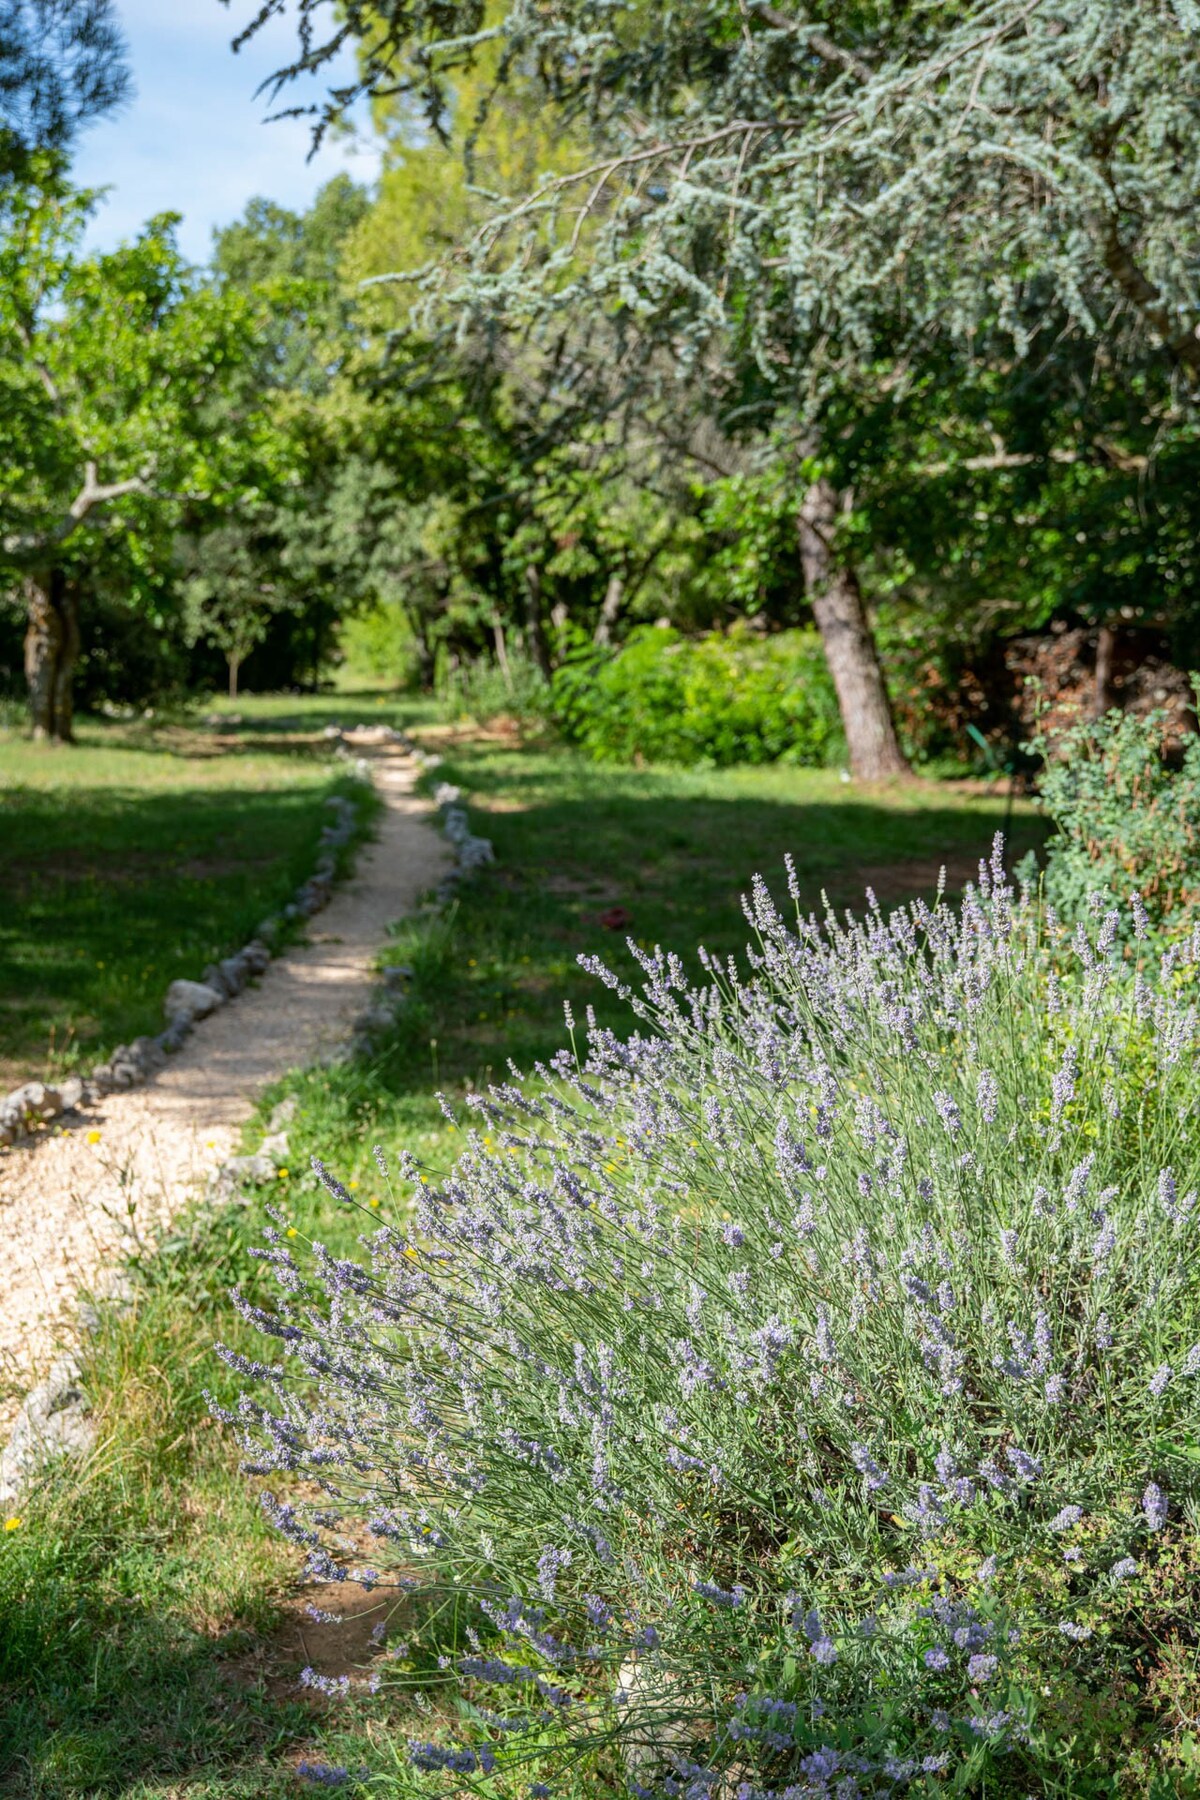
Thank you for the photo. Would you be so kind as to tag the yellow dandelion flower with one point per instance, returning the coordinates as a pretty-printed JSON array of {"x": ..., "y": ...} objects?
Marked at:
[
  {"x": 93, "y": 1137},
  {"x": 281, "y": 1174},
  {"x": 13, "y": 1524},
  {"x": 291, "y": 1231},
  {"x": 352, "y": 1184}
]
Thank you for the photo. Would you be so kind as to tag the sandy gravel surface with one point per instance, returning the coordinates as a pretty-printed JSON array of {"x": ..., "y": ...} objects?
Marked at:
[{"x": 65, "y": 1202}]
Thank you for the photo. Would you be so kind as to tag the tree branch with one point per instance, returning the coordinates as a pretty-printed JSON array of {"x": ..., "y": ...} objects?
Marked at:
[
  {"x": 821, "y": 46},
  {"x": 30, "y": 545},
  {"x": 1137, "y": 288}
]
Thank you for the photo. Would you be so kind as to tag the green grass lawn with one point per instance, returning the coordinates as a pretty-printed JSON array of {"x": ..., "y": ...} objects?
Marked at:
[
  {"x": 140, "y": 855},
  {"x": 148, "y": 1647}
]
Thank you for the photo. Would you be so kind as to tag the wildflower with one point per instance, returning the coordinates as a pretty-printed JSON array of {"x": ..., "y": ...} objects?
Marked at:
[
  {"x": 708, "y": 1590},
  {"x": 323, "y": 1774},
  {"x": 337, "y": 1686},
  {"x": 937, "y": 1658},
  {"x": 1064, "y": 1520},
  {"x": 987, "y": 1096},
  {"x": 1125, "y": 1569},
  {"x": 947, "y": 1111},
  {"x": 93, "y": 1137},
  {"x": 982, "y": 1668},
  {"x": 1154, "y": 1506},
  {"x": 13, "y": 1524},
  {"x": 824, "y": 1651},
  {"x": 1027, "y": 1467},
  {"x": 866, "y": 1465},
  {"x": 1078, "y": 1634},
  {"x": 1160, "y": 1379},
  {"x": 1062, "y": 1083},
  {"x": 551, "y": 1562}
]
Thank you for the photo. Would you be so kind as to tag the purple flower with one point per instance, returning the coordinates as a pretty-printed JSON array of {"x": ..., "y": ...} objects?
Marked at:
[
  {"x": 323, "y": 1774},
  {"x": 1125, "y": 1569},
  {"x": 708, "y": 1590},
  {"x": 937, "y": 1658},
  {"x": 987, "y": 1095},
  {"x": 825, "y": 1650},
  {"x": 1154, "y": 1506},
  {"x": 1062, "y": 1083},
  {"x": 982, "y": 1668},
  {"x": 1078, "y": 1634},
  {"x": 1064, "y": 1520},
  {"x": 947, "y": 1111},
  {"x": 866, "y": 1465},
  {"x": 1160, "y": 1380},
  {"x": 1027, "y": 1467}
]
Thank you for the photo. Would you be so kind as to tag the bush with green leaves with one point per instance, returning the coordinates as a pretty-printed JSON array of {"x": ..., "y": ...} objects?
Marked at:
[
  {"x": 799, "y": 1396},
  {"x": 721, "y": 699},
  {"x": 1126, "y": 821},
  {"x": 483, "y": 689}
]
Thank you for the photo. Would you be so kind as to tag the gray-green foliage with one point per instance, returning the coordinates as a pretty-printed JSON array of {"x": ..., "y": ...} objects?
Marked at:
[
  {"x": 1127, "y": 822},
  {"x": 797, "y": 178},
  {"x": 799, "y": 1394}
]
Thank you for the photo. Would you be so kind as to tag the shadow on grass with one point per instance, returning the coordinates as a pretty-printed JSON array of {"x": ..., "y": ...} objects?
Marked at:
[
  {"x": 108, "y": 894},
  {"x": 587, "y": 857}
]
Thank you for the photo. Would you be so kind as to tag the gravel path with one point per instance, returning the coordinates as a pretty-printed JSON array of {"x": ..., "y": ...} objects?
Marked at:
[{"x": 65, "y": 1202}]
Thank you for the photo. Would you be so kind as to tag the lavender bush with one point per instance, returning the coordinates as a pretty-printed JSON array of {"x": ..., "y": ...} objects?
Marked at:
[{"x": 800, "y": 1396}]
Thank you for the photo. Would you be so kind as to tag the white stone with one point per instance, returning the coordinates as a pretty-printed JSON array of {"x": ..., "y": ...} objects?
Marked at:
[{"x": 193, "y": 997}]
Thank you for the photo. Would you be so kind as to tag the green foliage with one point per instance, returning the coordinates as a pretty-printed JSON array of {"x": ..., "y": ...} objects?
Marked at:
[
  {"x": 483, "y": 689},
  {"x": 720, "y": 699},
  {"x": 62, "y": 64},
  {"x": 1126, "y": 820}
]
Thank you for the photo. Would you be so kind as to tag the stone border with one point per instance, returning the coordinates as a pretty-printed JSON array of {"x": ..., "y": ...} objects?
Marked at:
[
  {"x": 36, "y": 1103},
  {"x": 55, "y": 1417}
]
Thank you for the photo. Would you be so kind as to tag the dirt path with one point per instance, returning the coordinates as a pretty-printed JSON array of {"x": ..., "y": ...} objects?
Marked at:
[{"x": 65, "y": 1201}]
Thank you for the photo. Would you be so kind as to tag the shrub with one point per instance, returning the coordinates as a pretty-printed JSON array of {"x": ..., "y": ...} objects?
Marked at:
[
  {"x": 483, "y": 690},
  {"x": 1126, "y": 822},
  {"x": 720, "y": 699},
  {"x": 800, "y": 1397}
]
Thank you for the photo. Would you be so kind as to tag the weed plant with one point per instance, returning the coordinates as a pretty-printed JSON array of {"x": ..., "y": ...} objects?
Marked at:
[{"x": 799, "y": 1396}]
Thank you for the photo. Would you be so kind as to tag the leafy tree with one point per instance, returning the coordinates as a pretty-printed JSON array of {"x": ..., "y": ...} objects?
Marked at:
[
  {"x": 108, "y": 367},
  {"x": 789, "y": 206},
  {"x": 61, "y": 65}
]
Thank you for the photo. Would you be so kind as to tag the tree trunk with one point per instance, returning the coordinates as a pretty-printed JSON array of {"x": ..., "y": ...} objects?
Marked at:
[
  {"x": 610, "y": 609},
  {"x": 1106, "y": 644},
  {"x": 535, "y": 630},
  {"x": 837, "y": 603},
  {"x": 235, "y": 663},
  {"x": 52, "y": 645},
  {"x": 502, "y": 651}
]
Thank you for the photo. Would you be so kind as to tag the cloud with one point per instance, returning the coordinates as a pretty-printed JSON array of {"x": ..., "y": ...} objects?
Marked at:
[{"x": 195, "y": 139}]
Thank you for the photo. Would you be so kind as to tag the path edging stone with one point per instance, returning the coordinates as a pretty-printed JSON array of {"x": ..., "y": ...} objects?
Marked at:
[{"x": 35, "y": 1104}]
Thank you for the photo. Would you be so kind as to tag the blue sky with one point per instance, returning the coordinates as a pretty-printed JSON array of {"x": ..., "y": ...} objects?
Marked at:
[{"x": 194, "y": 140}]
